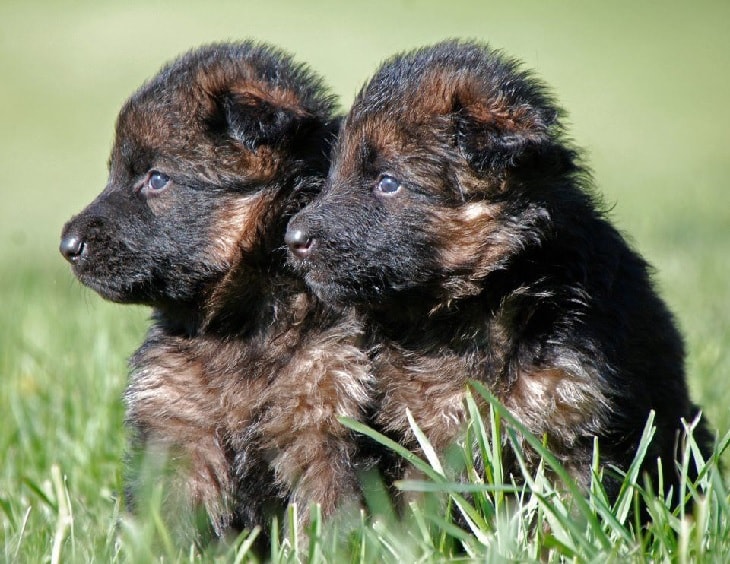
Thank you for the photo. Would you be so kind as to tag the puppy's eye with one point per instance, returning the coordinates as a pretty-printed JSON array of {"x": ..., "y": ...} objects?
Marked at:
[
  {"x": 156, "y": 180},
  {"x": 388, "y": 186}
]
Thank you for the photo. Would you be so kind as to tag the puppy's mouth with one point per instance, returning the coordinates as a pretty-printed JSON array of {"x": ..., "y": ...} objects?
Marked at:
[
  {"x": 328, "y": 291},
  {"x": 320, "y": 281},
  {"x": 336, "y": 289},
  {"x": 101, "y": 277}
]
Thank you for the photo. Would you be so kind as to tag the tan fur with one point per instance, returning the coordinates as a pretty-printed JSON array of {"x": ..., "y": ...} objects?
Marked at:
[
  {"x": 433, "y": 388},
  {"x": 256, "y": 90},
  {"x": 235, "y": 228},
  {"x": 469, "y": 238},
  {"x": 441, "y": 93}
]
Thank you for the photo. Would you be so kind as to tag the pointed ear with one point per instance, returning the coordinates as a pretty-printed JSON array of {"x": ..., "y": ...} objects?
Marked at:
[
  {"x": 253, "y": 119},
  {"x": 494, "y": 134}
]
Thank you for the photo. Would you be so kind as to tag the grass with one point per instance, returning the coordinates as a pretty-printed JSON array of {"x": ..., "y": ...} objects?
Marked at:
[{"x": 646, "y": 88}]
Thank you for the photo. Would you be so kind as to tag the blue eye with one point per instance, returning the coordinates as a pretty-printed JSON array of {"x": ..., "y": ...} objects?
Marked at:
[
  {"x": 157, "y": 180},
  {"x": 388, "y": 185}
]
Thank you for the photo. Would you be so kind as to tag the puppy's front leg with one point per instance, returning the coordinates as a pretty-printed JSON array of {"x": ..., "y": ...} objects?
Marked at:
[
  {"x": 319, "y": 469},
  {"x": 314, "y": 455},
  {"x": 169, "y": 414}
]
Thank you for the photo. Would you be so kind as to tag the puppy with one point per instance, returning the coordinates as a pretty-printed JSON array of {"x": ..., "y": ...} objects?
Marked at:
[
  {"x": 242, "y": 374},
  {"x": 461, "y": 221}
]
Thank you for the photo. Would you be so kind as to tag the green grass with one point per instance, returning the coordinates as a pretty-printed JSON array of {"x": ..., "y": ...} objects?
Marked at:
[{"x": 646, "y": 86}]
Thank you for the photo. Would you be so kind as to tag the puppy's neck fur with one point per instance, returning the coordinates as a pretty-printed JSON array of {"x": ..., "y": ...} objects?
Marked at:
[
  {"x": 520, "y": 297},
  {"x": 246, "y": 305},
  {"x": 258, "y": 287}
]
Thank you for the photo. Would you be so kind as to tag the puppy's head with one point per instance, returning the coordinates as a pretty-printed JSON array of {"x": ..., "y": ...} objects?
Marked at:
[
  {"x": 210, "y": 158},
  {"x": 441, "y": 173}
]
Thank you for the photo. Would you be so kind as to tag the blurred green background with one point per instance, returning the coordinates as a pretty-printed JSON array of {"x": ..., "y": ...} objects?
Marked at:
[{"x": 646, "y": 85}]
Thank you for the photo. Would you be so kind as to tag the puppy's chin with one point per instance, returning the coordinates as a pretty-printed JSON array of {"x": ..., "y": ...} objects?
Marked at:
[
  {"x": 330, "y": 291},
  {"x": 340, "y": 285},
  {"x": 114, "y": 290}
]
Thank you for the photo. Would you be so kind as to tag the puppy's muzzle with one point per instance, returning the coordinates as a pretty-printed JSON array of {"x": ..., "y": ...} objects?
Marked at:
[{"x": 300, "y": 243}]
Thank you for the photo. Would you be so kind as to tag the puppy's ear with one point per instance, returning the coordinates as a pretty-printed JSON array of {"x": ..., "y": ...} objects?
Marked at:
[
  {"x": 495, "y": 134},
  {"x": 253, "y": 119}
]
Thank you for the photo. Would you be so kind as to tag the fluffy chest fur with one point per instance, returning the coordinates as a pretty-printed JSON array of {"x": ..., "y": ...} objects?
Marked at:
[{"x": 253, "y": 419}]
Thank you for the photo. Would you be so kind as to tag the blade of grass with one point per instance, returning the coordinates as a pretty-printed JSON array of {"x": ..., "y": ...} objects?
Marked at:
[
  {"x": 476, "y": 427},
  {"x": 21, "y": 532},
  {"x": 495, "y": 424},
  {"x": 8, "y": 510},
  {"x": 159, "y": 524},
  {"x": 291, "y": 518},
  {"x": 480, "y": 431},
  {"x": 456, "y": 532},
  {"x": 425, "y": 445},
  {"x": 275, "y": 548},
  {"x": 315, "y": 533},
  {"x": 623, "y": 501},
  {"x": 245, "y": 547},
  {"x": 377, "y": 497},
  {"x": 455, "y": 487},
  {"x": 392, "y": 445},
  {"x": 40, "y": 493},
  {"x": 63, "y": 520},
  {"x": 421, "y": 526}
]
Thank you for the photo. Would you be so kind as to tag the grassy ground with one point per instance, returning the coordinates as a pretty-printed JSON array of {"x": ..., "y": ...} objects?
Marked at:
[{"x": 646, "y": 86}]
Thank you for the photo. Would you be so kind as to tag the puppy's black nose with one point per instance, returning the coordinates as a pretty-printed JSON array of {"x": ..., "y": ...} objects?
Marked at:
[
  {"x": 299, "y": 241},
  {"x": 71, "y": 247}
]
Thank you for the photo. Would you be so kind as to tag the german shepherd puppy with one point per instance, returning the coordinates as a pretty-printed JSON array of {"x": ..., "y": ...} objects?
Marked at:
[
  {"x": 461, "y": 222},
  {"x": 242, "y": 374}
]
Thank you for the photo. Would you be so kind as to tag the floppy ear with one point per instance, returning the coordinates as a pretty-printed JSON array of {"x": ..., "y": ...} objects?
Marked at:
[
  {"x": 494, "y": 134},
  {"x": 253, "y": 120}
]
